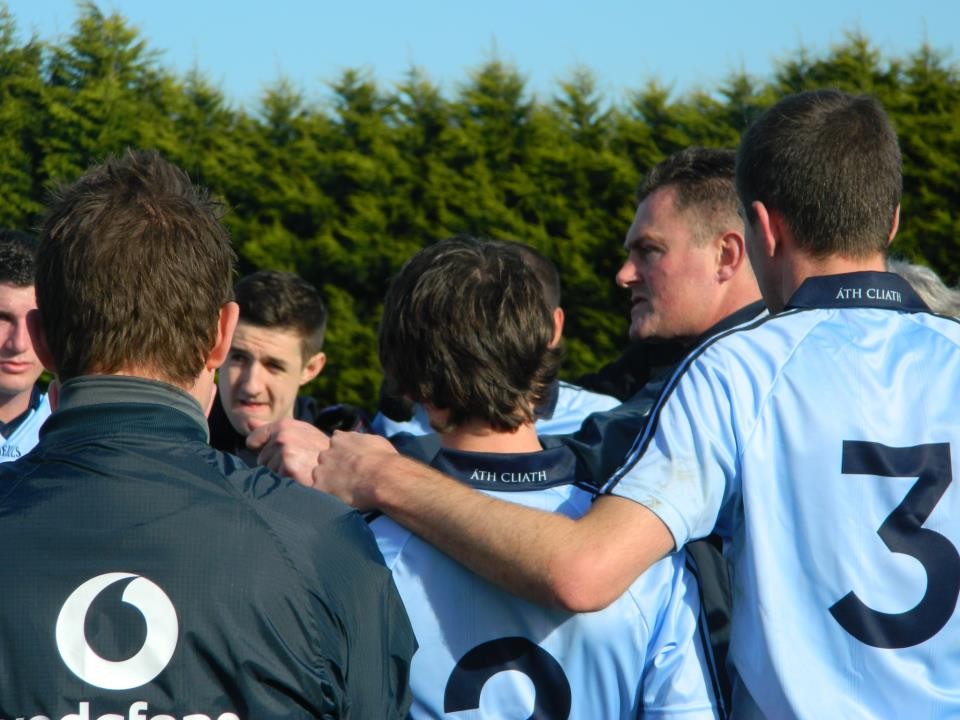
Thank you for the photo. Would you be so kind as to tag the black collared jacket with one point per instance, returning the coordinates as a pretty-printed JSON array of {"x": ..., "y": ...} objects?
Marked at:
[{"x": 147, "y": 574}]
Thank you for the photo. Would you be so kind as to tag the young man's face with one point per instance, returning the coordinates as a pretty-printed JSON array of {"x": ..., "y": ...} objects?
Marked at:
[
  {"x": 671, "y": 277},
  {"x": 19, "y": 366},
  {"x": 262, "y": 375}
]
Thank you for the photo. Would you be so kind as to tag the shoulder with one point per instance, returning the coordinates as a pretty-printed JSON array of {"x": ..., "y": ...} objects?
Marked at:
[
  {"x": 419, "y": 447},
  {"x": 573, "y": 397},
  {"x": 419, "y": 424},
  {"x": 301, "y": 520},
  {"x": 573, "y": 405},
  {"x": 753, "y": 352}
]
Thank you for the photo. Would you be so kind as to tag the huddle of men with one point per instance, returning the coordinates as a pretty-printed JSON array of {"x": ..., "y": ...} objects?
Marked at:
[{"x": 815, "y": 441}]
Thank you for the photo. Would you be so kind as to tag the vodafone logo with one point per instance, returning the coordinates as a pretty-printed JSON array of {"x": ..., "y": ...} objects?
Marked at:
[{"x": 149, "y": 661}]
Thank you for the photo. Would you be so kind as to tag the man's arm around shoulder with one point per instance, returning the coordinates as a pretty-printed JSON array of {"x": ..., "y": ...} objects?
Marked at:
[{"x": 579, "y": 565}]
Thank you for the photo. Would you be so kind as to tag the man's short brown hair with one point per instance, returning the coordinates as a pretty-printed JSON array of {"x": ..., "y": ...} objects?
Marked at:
[
  {"x": 17, "y": 258},
  {"x": 467, "y": 329},
  {"x": 829, "y": 163},
  {"x": 703, "y": 179},
  {"x": 283, "y": 301},
  {"x": 132, "y": 270}
]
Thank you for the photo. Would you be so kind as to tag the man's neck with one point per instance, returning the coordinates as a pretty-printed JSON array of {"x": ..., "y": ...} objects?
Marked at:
[
  {"x": 477, "y": 437},
  {"x": 803, "y": 266},
  {"x": 13, "y": 406}
]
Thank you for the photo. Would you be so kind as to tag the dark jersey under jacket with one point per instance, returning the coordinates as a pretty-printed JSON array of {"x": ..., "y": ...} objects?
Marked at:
[{"x": 146, "y": 574}]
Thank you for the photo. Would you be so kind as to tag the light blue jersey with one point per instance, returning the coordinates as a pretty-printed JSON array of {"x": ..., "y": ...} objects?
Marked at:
[
  {"x": 568, "y": 407},
  {"x": 27, "y": 431},
  {"x": 487, "y": 654},
  {"x": 823, "y": 444}
]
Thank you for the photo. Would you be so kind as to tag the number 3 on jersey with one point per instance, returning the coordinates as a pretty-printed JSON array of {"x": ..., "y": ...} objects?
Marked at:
[
  {"x": 552, "y": 700},
  {"x": 903, "y": 532}
]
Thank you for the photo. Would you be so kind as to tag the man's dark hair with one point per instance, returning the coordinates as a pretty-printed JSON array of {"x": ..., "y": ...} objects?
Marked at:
[
  {"x": 543, "y": 268},
  {"x": 132, "y": 271},
  {"x": 829, "y": 163},
  {"x": 17, "y": 258},
  {"x": 466, "y": 328},
  {"x": 703, "y": 179},
  {"x": 283, "y": 300}
]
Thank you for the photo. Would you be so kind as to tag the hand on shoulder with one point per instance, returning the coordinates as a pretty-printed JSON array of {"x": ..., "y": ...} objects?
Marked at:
[
  {"x": 353, "y": 466},
  {"x": 289, "y": 448}
]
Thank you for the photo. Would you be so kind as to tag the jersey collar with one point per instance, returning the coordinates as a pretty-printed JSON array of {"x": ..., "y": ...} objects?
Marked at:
[
  {"x": 506, "y": 471},
  {"x": 857, "y": 290},
  {"x": 7, "y": 429}
]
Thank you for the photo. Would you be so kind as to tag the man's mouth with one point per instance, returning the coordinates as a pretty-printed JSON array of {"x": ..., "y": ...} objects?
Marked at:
[{"x": 15, "y": 366}]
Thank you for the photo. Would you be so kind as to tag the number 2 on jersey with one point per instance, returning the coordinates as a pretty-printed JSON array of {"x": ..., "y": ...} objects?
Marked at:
[
  {"x": 903, "y": 532},
  {"x": 553, "y": 699}
]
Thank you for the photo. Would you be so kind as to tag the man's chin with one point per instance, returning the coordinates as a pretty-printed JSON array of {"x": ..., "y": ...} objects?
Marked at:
[
  {"x": 246, "y": 424},
  {"x": 639, "y": 332},
  {"x": 648, "y": 334}
]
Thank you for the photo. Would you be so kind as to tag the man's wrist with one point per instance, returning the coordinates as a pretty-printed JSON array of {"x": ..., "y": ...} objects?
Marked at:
[{"x": 388, "y": 478}]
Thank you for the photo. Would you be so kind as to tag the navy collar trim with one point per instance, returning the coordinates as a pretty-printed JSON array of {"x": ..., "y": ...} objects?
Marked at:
[
  {"x": 857, "y": 290},
  {"x": 738, "y": 317},
  {"x": 7, "y": 429},
  {"x": 509, "y": 472}
]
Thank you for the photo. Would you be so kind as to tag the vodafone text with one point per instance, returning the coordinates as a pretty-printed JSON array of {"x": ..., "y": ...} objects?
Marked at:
[{"x": 137, "y": 711}]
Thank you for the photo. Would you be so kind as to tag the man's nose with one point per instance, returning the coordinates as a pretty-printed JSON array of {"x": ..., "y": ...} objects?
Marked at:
[
  {"x": 19, "y": 338},
  {"x": 251, "y": 379},
  {"x": 627, "y": 275}
]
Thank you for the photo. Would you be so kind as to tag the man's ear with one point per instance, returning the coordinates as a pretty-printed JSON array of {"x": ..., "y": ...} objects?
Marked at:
[
  {"x": 39, "y": 340},
  {"x": 558, "y": 318},
  {"x": 895, "y": 226},
  {"x": 312, "y": 367},
  {"x": 769, "y": 230},
  {"x": 731, "y": 254},
  {"x": 226, "y": 324}
]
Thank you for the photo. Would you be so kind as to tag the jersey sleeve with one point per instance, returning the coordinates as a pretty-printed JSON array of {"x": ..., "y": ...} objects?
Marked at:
[{"x": 684, "y": 466}]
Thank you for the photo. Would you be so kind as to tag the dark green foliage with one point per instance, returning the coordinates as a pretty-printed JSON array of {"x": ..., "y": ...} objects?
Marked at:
[{"x": 345, "y": 190}]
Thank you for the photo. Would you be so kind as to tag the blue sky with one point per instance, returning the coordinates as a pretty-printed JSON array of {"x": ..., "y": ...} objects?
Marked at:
[{"x": 245, "y": 45}]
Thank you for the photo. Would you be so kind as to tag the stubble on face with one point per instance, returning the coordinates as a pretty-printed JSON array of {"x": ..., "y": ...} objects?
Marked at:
[{"x": 669, "y": 272}]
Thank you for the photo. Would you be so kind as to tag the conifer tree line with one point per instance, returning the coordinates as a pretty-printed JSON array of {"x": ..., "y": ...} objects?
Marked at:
[{"x": 342, "y": 190}]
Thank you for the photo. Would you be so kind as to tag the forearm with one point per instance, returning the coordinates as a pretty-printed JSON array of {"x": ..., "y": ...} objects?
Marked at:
[{"x": 579, "y": 565}]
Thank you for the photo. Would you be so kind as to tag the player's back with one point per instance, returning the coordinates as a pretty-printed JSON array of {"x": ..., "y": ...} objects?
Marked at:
[
  {"x": 150, "y": 575},
  {"x": 483, "y": 649},
  {"x": 835, "y": 435},
  {"x": 853, "y": 537}
]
